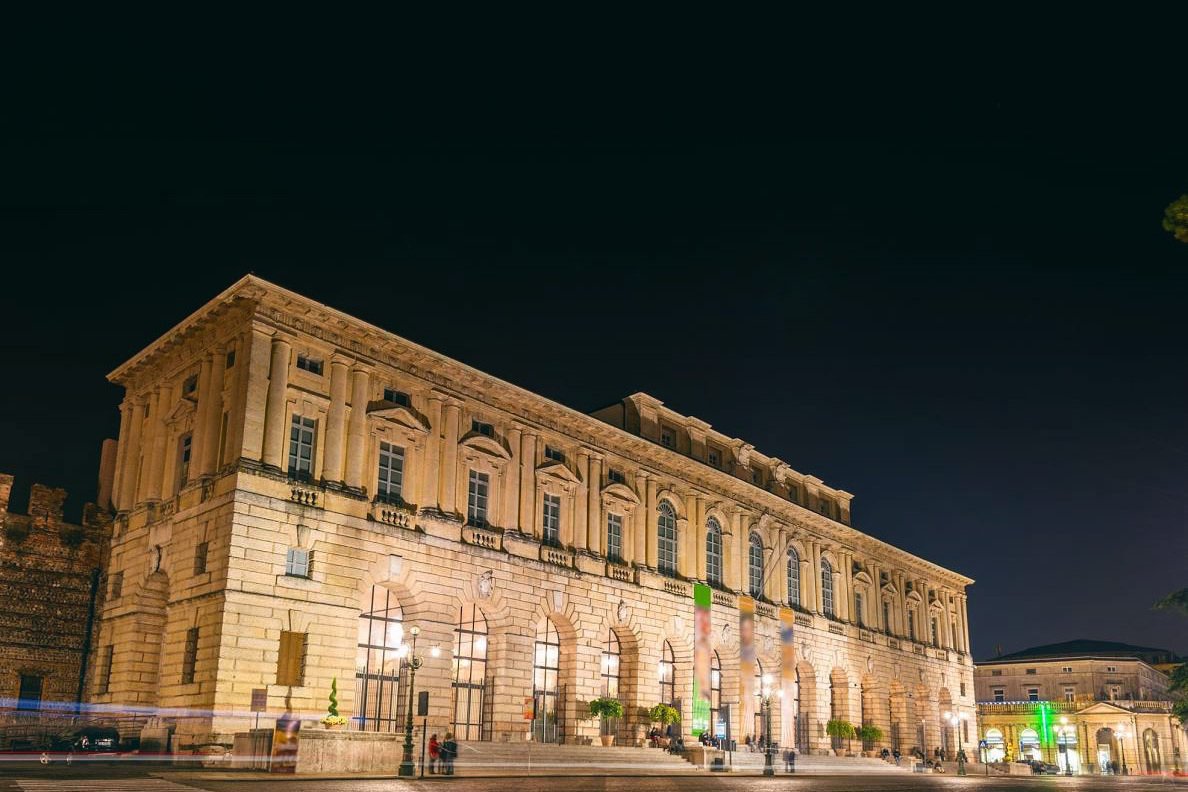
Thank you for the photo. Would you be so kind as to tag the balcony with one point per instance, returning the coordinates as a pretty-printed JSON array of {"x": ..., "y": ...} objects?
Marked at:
[
  {"x": 396, "y": 514},
  {"x": 557, "y": 555},
  {"x": 305, "y": 494},
  {"x": 482, "y": 536},
  {"x": 619, "y": 572},
  {"x": 724, "y": 599}
]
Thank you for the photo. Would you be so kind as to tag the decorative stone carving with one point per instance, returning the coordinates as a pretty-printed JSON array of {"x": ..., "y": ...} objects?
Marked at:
[
  {"x": 622, "y": 612},
  {"x": 486, "y": 584}
]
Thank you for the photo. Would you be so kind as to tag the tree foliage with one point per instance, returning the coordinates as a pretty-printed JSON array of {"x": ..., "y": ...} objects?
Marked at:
[
  {"x": 869, "y": 733},
  {"x": 664, "y": 714},
  {"x": 1179, "y": 691},
  {"x": 841, "y": 729},
  {"x": 1177, "y": 600},
  {"x": 1175, "y": 218},
  {"x": 606, "y": 708},
  {"x": 333, "y": 708}
]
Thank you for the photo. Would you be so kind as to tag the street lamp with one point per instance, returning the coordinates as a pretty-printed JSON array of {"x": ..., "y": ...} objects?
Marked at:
[
  {"x": 768, "y": 767},
  {"x": 954, "y": 719},
  {"x": 1121, "y": 734},
  {"x": 412, "y": 663},
  {"x": 1062, "y": 729}
]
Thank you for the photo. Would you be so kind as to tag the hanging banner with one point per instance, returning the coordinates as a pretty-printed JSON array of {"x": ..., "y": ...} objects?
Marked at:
[
  {"x": 701, "y": 657},
  {"x": 787, "y": 675},
  {"x": 746, "y": 661}
]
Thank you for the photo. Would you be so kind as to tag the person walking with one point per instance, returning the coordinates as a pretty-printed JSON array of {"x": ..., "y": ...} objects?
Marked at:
[
  {"x": 789, "y": 761},
  {"x": 434, "y": 753},
  {"x": 896, "y": 755},
  {"x": 449, "y": 751}
]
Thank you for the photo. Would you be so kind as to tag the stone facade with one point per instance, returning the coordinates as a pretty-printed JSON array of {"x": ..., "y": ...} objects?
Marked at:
[
  {"x": 50, "y": 581},
  {"x": 283, "y": 467},
  {"x": 1102, "y": 708}
]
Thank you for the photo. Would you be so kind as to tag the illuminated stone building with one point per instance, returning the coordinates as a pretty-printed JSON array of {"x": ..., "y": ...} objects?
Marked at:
[
  {"x": 1080, "y": 704},
  {"x": 296, "y": 489}
]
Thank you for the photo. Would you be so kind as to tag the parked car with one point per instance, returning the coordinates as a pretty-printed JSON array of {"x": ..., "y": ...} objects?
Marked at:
[{"x": 1044, "y": 768}]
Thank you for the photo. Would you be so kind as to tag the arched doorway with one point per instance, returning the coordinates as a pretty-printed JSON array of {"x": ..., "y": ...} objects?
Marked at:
[
  {"x": 1151, "y": 751},
  {"x": 717, "y": 721},
  {"x": 667, "y": 675},
  {"x": 1068, "y": 756},
  {"x": 995, "y": 746},
  {"x": 470, "y": 675},
  {"x": 948, "y": 742},
  {"x": 1029, "y": 745},
  {"x": 839, "y": 702},
  {"x": 377, "y": 663},
  {"x": 612, "y": 661},
  {"x": 870, "y": 713},
  {"x": 547, "y": 694},
  {"x": 897, "y": 705},
  {"x": 806, "y": 705}
]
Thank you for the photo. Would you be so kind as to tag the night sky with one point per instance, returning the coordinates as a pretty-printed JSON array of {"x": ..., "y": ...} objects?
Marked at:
[{"x": 975, "y": 326}]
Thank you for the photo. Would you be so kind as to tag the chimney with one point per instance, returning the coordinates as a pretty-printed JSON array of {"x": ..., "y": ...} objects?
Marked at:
[
  {"x": 107, "y": 464},
  {"x": 5, "y": 491}
]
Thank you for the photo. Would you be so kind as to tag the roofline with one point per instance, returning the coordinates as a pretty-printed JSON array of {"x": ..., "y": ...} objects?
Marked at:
[
  {"x": 1012, "y": 660},
  {"x": 253, "y": 280}
]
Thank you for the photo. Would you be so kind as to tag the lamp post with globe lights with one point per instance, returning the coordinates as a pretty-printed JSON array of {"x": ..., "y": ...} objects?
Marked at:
[
  {"x": 1122, "y": 734},
  {"x": 954, "y": 719},
  {"x": 1063, "y": 731},
  {"x": 768, "y": 749},
  {"x": 412, "y": 662}
]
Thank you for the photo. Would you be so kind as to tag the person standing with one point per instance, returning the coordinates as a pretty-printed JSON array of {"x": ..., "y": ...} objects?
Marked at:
[
  {"x": 449, "y": 750},
  {"x": 790, "y": 761},
  {"x": 434, "y": 754}
]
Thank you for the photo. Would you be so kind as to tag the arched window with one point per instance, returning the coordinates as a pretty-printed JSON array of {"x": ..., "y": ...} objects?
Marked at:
[
  {"x": 667, "y": 674},
  {"x": 377, "y": 663},
  {"x": 713, "y": 552},
  {"x": 755, "y": 567},
  {"x": 793, "y": 577},
  {"x": 826, "y": 587},
  {"x": 716, "y": 695},
  {"x": 610, "y": 664},
  {"x": 546, "y": 670},
  {"x": 470, "y": 673},
  {"x": 666, "y": 544}
]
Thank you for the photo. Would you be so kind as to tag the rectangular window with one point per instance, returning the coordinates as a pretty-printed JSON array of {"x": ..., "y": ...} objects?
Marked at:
[
  {"x": 614, "y": 537},
  {"x": 911, "y": 624},
  {"x": 615, "y": 476},
  {"x": 483, "y": 428},
  {"x": 756, "y": 477},
  {"x": 996, "y": 672},
  {"x": 999, "y": 694},
  {"x": 390, "y": 485},
  {"x": 1066, "y": 669},
  {"x": 190, "y": 385},
  {"x": 555, "y": 454},
  {"x": 290, "y": 660},
  {"x": 1030, "y": 671},
  {"x": 117, "y": 584},
  {"x": 301, "y": 444},
  {"x": 714, "y": 457},
  {"x": 396, "y": 397},
  {"x": 1033, "y": 694},
  {"x": 935, "y": 633},
  {"x": 963, "y": 688},
  {"x": 793, "y": 493},
  {"x": 886, "y": 616},
  {"x": 1111, "y": 669},
  {"x": 858, "y": 609},
  {"x": 312, "y": 365},
  {"x": 552, "y": 519},
  {"x": 190, "y": 658},
  {"x": 1115, "y": 692},
  {"x": 825, "y": 507},
  {"x": 667, "y": 437},
  {"x": 185, "y": 448},
  {"x": 200, "y": 553},
  {"x": 476, "y": 499},
  {"x": 1070, "y": 693},
  {"x": 297, "y": 562},
  {"x": 103, "y": 672},
  {"x": 230, "y": 361},
  {"x": 29, "y": 697}
]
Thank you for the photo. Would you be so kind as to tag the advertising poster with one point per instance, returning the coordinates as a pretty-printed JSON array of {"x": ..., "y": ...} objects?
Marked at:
[
  {"x": 701, "y": 658},
  {"x": 284, "y": 745},
  {"x": 787, "y": 676},
  {"x": 746, "y": 661}
]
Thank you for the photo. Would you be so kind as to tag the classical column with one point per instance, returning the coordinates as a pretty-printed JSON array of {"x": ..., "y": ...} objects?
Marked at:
[
  {"x": 255, "y": 400},
  {"x": 815, "y": 576},
  {"x": 527, "y": 524},
  {"x": 210, "y": 408},
  {"x": 121, "y": 454},
  {"x": 687, "y": 557},
  {"x": 641, "y": 519},
  {"x": 965, "y": 621},
  {"x": 131, "y": 466},
  {"x": 699, "y": 543},
  {"x": 650, "y": 525},
  {"x": 357, "y": 429},
  {"x": 742, "y": 556},
  {"x": 595, "y": 523},
  {"x": 581, "y": 501},
  {"x": 199, "y": 437},
  {"x": 429, "y": 481},
  {"x": 451, "y": 414},
  {"x": 779, "y": 571},
  {"x": 276, "y": 417},
  {"x": 332, "y": 459},
  {"x": 728, "y": 561},
  {"x": 510, "y": 517},
  {"x": 156, "y": 467}
]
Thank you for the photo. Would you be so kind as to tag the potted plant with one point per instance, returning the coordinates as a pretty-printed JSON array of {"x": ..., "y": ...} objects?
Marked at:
[
  {"x": 665, "y": 715},
  {"x": 869, "y": 734},
  {"x": 604, "y": 709},
  {"x": 333, "y": 720},
  {"x": 840, "y": 730}
]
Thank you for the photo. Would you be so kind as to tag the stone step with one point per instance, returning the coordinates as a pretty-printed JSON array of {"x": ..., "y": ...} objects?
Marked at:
[
  {"x": 822, "y": 765},
  {"x": 490, "y": 758}
]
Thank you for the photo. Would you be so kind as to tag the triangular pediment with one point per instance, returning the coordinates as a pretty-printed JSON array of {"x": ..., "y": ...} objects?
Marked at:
[
  {"x": 180, "y": 410},
  {"x": 889, "y": 588},
  {"x": 620, "y": 492},
  {"x": 1103, "y": 708},
  {"x": 485, "y": 445},
  {"x": 558, "y": 470},
  {"x": 399, "y": 414},
  {"x": 864, "y": 577}
]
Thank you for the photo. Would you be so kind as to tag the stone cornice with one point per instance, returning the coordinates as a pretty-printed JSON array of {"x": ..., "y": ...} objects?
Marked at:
[{"x": 291, "y": 312}]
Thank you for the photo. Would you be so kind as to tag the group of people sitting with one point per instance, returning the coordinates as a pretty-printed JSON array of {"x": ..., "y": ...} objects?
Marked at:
[{"x": 670, "y": 740}]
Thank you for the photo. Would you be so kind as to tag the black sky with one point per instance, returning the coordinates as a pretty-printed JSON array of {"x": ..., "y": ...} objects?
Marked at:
[{"x": 966, "y": 314}]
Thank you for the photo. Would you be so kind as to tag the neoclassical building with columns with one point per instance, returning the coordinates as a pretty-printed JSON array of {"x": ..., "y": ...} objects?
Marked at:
[{"x": 297, "y": 489}]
